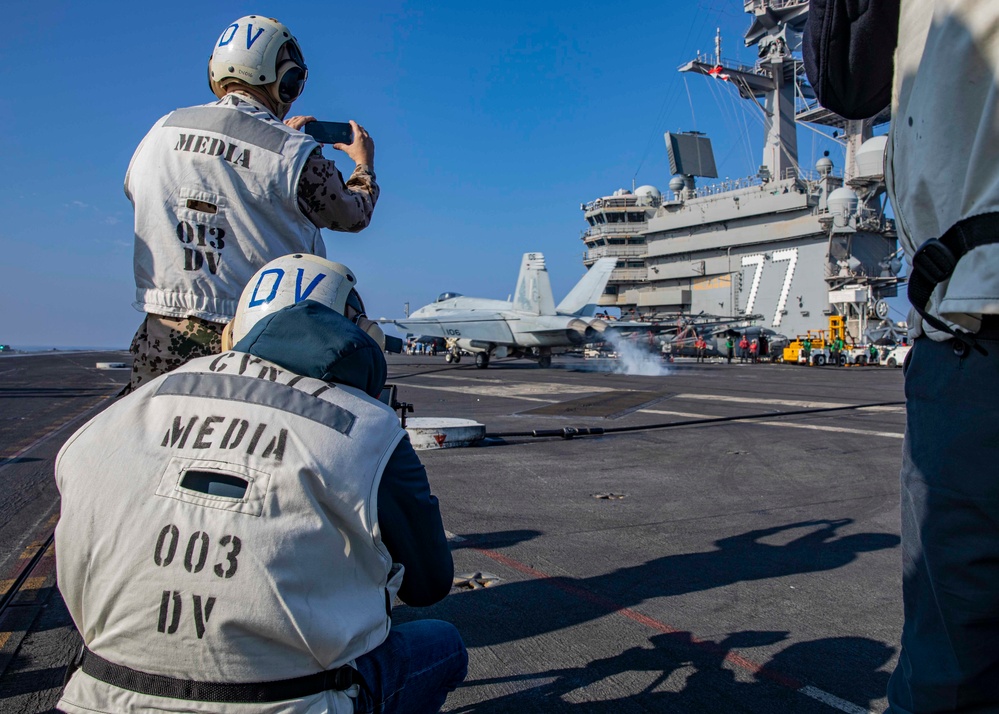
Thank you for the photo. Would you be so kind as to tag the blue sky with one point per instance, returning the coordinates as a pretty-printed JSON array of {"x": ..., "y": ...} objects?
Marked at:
[{"x": 492, "y": 123}]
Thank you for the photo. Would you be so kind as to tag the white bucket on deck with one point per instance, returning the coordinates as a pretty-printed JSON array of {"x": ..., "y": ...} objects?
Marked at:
[
  {"x": 443, "y": 433},
  {"x": 113, "y": 365}
]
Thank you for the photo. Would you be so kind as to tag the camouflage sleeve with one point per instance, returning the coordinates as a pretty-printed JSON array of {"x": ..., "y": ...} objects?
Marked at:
[{"x": 330, "y": 203}]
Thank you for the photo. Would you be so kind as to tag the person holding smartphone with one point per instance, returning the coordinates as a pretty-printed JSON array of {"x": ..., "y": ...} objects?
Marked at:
[{"x": 221, "y": 189}]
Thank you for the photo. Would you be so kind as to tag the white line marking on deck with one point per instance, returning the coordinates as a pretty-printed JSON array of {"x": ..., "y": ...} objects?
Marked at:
[
  {"x": 833, "y": 701},
  {"x": 484, "y": 392},
  {"x": 789, "y": 424},
  {"x": 454, "y": 538},
  {"x": 753, "y": 400},
  {"x": 520, "y": 390},
  {"x": 839, "y": 429},
  {"x": 885, "y": 410},
  {"x": 687, "y": 415},
  {"x": 11, "y": 460}
]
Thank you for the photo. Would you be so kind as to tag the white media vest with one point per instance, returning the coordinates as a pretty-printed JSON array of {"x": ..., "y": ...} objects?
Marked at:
[
  {"x": 275, "y": 571},
  {"x": 215, "y": 192}
]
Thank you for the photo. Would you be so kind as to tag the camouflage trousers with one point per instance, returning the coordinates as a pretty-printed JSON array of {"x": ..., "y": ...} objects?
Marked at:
[{"x": 165, "y": 343}]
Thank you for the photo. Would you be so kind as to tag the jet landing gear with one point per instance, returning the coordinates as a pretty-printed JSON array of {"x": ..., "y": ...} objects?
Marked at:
[
  {"x": 452, "y": 357},
  {"x": 481, "y": 360},
  {"x": 543, "y": 355}
]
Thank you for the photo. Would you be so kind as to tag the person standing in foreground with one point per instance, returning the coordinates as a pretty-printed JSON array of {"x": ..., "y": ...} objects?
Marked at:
[
  {"x": 942, "y": 171},
  {"x": 220, "y": 189},
  {"x": 219, "y": 544}
]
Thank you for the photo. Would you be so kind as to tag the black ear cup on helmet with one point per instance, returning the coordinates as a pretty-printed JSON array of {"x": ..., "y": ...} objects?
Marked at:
[
  {"x": 356, "y": 304},
  {"x": 291, "y": 81}
]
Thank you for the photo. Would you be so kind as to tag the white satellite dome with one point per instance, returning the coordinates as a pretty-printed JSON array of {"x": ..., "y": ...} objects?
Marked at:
[
  {"x": 622, "y": 192},
  {"x": 824, "y": 166},
  {"x": 676, "y": 184},
  {"x": 843, "y": 202},
  {"x": 871, "y": 157},
  {"x": 648, "y": 195}
]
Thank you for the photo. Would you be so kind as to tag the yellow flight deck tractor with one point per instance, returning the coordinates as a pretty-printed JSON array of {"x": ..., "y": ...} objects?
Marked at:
[{"x": 821, "y": 344}]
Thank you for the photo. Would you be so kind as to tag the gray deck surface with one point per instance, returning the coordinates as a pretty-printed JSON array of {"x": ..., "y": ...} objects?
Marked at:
[{"x": 750, "y": 566}]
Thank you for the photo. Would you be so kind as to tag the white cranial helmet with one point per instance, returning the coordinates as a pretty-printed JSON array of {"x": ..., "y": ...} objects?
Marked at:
[
  {"x": 286, "y": 281},
  {"x": 249, "y": 51}
]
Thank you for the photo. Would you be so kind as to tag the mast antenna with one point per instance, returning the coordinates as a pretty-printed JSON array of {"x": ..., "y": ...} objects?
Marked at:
[{"x": 717, "y": 47}]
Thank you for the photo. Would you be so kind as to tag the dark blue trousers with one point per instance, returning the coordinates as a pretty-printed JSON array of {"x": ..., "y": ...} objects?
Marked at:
[
  {"x": 413, "y": 670},
  {"x": 949, "y": 660}
]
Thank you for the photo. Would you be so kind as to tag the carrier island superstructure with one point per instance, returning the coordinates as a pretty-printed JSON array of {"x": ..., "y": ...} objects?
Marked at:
[{"x": 791, "y": 245}]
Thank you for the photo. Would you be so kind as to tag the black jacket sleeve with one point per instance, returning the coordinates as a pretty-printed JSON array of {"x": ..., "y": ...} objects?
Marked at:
[
  {"x": 411, "y": 527},
  {"x": 849, "y": 54}
]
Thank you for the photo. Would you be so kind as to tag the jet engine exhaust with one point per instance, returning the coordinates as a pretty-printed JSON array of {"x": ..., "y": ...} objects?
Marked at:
[
  {"x": 579, "y": 332},
  {"x": 599, "y": 326}
]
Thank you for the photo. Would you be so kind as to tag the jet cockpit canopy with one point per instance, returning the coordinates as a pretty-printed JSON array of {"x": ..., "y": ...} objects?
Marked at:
[{"x": 446, "y": 296}]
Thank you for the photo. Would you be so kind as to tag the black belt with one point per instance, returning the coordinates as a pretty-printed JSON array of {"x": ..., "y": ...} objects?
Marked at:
[
  {"x": 936, "y": 259},
  {"x": 156, "y": 685}
]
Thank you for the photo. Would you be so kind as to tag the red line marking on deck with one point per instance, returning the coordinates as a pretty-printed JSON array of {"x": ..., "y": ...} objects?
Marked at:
[{"x": 611, "y": 606}]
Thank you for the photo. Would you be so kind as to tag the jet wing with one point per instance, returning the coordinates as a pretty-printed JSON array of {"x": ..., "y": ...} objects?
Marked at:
[{"x": 463, "y": 324}]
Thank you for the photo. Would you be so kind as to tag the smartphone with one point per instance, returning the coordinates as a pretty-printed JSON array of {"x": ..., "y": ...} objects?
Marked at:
[{"x": 330, "y": 132}]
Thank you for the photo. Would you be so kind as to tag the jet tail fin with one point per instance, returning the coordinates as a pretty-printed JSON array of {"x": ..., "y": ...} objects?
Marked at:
[
  {"x": 582, "y": 299},
  {"x": 534, "y": 289}
]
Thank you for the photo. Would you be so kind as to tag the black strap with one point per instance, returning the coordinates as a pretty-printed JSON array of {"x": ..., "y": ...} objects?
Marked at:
[
  {"x": 936, "y": 259},
  {"x": 156, "y": 685}
]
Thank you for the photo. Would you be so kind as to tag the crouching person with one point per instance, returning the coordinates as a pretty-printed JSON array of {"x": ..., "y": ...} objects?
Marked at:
[{"x": 233, "y": 533}]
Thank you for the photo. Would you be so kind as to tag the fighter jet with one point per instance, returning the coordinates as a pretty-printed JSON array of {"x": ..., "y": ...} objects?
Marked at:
[{"x": 530, "y": 326}]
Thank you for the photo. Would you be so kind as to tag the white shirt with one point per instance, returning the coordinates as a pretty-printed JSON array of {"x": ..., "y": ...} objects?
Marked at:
[{"x": 943, "y": 154}]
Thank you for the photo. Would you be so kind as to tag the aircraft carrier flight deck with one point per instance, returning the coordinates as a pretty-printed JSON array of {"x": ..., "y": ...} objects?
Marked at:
[{"x": 730, "y": 543}]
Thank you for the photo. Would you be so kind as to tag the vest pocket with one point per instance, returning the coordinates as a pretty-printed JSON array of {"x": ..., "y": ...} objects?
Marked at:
[{"x": 215, "y": 484}]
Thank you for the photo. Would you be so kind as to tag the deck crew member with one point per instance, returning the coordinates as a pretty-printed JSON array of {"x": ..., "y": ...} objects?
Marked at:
[
  {"x": 220, "y": 189},
  {"x": 936, "y": 62},
  {"x": 220, "y": 547},
  {"x": 806, "y": 350}
]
